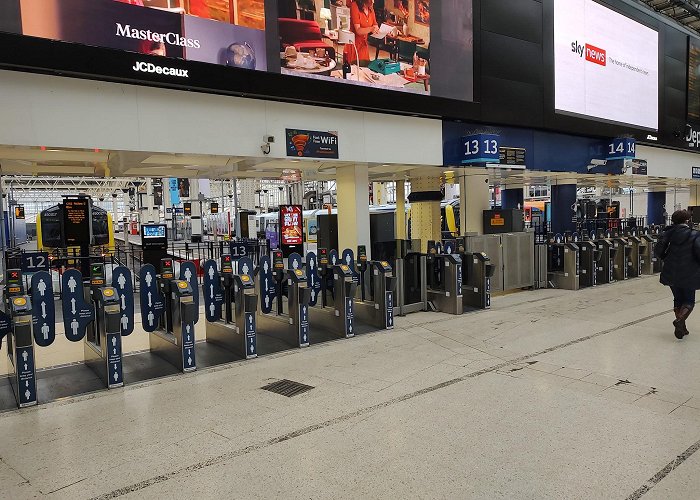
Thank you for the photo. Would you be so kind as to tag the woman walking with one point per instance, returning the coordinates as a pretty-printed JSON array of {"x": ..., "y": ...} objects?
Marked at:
[{"x": 679, "y": 248}]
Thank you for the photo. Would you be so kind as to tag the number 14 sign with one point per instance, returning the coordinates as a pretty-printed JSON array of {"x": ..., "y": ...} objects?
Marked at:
[
  {"x": 621, "y": 149},
  {"x": 480, "y": 148}
]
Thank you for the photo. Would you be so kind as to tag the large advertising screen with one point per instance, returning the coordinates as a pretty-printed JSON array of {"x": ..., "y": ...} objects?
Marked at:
[
  {"x": 606, "y": 65},
  {"x": 694, "y": 79},
  {"x": 415, "y": 46}
]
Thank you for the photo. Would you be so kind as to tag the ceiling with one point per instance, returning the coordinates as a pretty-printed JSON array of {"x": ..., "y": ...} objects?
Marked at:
[
  {"x": 685, "y": 12},
  {"x": 34, "y": 162}
]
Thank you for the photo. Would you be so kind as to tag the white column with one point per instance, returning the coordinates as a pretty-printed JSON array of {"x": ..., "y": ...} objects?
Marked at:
[
  {"x": 475, "y": 197},
  {"x": 353, "y": 208}
]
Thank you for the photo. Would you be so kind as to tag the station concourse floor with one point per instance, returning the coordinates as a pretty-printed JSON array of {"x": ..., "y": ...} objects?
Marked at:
[{"x": 550, "y": 394}]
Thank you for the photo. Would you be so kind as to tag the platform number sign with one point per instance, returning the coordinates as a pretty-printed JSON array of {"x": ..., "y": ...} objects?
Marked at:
[
  {"x": 622, "y": 149},
  {"x": 33, "y": 262},
  {"x": 480, "y": 149}
]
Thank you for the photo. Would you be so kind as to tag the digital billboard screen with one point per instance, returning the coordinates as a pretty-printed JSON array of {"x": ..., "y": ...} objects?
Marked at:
[
  {"x": 414, "y": 46},
  {"x": 694, "y": 79},
  {"x": 606, "y": 65}
]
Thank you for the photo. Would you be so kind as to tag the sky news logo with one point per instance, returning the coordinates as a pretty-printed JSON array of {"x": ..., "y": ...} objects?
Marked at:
[{"x": 592, "y": 53}]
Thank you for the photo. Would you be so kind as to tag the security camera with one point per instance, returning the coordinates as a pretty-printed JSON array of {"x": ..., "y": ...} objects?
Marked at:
[{"x": 599, "y": 162}]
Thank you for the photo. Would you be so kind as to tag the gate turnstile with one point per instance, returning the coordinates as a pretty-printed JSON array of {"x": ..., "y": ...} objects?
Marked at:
[
  {"x": 621, "y": 259},
  {"x": 563, "y": 264},
  {"x": 237, "y": 330},
  {"x": 337, "y": 320},
  {"x": 445, "y": 283},
  {"x": 588, "y": 258},
  {"x": 650, "y": 264},
  {"x": 605, "y": 259},
  {"x": 637, "y": 251},
  {"x": 476, "y": 288},
  {"x": 17, "y": 322},
  {"x": 378, "y": 311}
]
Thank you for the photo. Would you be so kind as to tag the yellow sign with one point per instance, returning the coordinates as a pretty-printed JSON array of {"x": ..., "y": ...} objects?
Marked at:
[
  {"x": 497, "y": 221},
  {"x": 108, "y": 292},
  {"x": 167, "y": 275},
  {"x": 182, "y": 284},
  {"x": 20, "y": 301},
  {"x": 14, "y": 289}
]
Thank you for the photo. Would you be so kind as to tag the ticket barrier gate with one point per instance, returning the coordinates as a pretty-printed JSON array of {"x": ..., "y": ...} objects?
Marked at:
[
  {"x": 378, "y": 311},
  {"x": 236, "y": 330},
  {"x": 103, "y": 342},
  {"x": 563, "y": 264},
  {"x": 635, "y": 261},
  {"x": 290, "y": 325},
  {"x": 606, "y": 259},
  {"x": 16, "y": 324},
  {"x": 476, "y": 290},
  {"x": 338, "y": 320},
  {"x": 411, "y": 283},
  {"x": 445, "y": 283},
  {"x": 169, "y": 313},
  {"x": 650, "y": 264},
  {"x": 588, "y": 259},
  {"x": 621, "y": 259}
]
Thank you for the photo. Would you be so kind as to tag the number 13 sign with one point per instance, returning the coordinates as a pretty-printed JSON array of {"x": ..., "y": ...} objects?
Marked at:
[{"x": 480, "y": 148}]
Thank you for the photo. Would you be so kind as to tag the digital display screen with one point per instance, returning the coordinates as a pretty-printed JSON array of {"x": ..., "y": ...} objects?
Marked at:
[
  {"x": 291, "y": 225},
  {"x": 76, "y": 221},
  {"x": 153, "y": 231},
  {"x": 694, "y": 79},
  {"x": 606, "y": 65},
  {"x": 19, "y": 213},
  {"x": 418, "y": 46}
]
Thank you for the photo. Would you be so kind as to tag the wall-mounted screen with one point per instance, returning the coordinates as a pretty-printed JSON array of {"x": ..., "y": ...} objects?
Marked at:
[
  {"x": 417, "y": 46},
  {"x": 694, "y": 79},
  {"x": 153, "y": 231},
  {"x": 606, "y": 65}
]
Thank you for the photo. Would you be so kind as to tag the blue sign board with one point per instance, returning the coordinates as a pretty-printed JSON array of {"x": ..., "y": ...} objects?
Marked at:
[
  {"x": 114, "y": 360},
  {"x": 35, "y": 261},
  {"x": 459, "y": 278},
  {"x": 77, "y": 313},
  {"x": 349, "y": 317},
  {"x": 349, "y": 260},
  {"x": 621, "y": 149},
  {"x": 123, "y": 284},
  {"x": 389, "y": 302},
  {"x": 303, "y": 325},
  {"x": 188, "y": 360},
  {"x": 213, "y": 295},
  {"x": 188, "y": 272},
  {"x": 26, "y": 375},
  {"x": 43, "y": 310},
  {"x": 450, "y": 247},
  {"x": 312, "y": 144},
  {"x": 245, "y": 266},
  {"x": 696, "y": 172},
  {"x": 152, "y": 302},
  {"x": 312, "y": 279},
  {"x": 294, "y": 261},
  {"x": 480, "y": 149},
  {"x": 174, "y": 191},
  {"x": 251, "y": 337},
  {"x": 267, "y": 285}
]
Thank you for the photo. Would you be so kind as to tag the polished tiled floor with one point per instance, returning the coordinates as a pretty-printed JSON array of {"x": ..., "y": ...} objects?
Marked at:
[{"x": 551, "y": 394}]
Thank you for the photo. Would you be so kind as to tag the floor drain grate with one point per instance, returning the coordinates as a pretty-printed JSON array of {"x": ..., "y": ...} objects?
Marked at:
[{"x": 287, "y": 388}]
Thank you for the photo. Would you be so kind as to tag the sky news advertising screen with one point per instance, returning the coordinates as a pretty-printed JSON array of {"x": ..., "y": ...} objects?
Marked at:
[
  {"x": 606, "y": 65},
  {"x": 396, "y": 45}
]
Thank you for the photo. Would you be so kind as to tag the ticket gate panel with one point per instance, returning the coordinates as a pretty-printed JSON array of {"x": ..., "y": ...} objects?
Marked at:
[
  {"x": 340, "y": 319},
  {"x": 379, "y": 311},
  {"x": 445, "y": 290},
  {"x": 621, "y": 258},
  {"x": 588, "y": 259},
  {"x": 566, "y": 274},
  {"x": 103, "y": 353},
  {"x": 476, "y": 286}
]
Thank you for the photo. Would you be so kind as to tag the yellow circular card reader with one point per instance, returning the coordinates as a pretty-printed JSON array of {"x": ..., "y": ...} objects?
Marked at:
[
  {"x": 344, "y": 267},
  {"x": 245, "y": 278},
  {"x": 182, "y": 284},
  {"x": 299, "y": 272},
  {"x": 108, "y": 292},
  {"x": 20, "y": 301},
  {"x": 385, "y": 263}
]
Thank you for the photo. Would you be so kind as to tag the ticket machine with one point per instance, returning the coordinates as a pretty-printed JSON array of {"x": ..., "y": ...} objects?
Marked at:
[
  {"x": 230, "y": 302},
  {"x": 17, "y": 323},
  {"x": 168, "y": 314},
  {"x": 287, "y": 320},
  {"x": 103, "y": 342}
]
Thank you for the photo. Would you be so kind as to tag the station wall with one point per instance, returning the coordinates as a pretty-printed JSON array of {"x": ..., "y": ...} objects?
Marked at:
[{"x": 40, "y": 110}]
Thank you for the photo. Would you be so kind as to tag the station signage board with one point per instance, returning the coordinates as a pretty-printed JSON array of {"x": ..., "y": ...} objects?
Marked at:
[
  {"x": 622, "y": 148},
  {"x": 312, "y": 144},
  {"x": 19, "y": 212},
  {"x": 480, "y": 149},
  {"x": 76, "y": 221},
  {"x": 214, "y": 208}
]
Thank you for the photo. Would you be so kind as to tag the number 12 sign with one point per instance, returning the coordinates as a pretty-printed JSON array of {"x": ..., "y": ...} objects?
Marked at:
[{"x": 480, "y": 148}]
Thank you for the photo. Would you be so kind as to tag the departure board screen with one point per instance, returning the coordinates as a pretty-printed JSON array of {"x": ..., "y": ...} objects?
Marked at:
[
  {"x": 694, "y": 79},
  {"x": 76, "y": 221}
]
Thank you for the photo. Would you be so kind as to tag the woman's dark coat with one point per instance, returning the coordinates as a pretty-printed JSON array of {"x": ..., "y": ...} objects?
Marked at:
[{"x": 679, "y": 247}]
